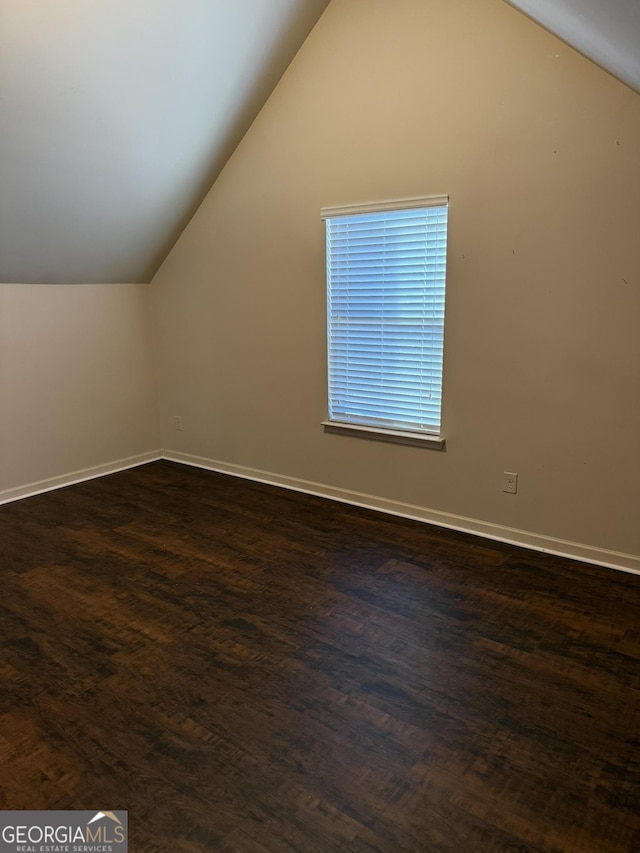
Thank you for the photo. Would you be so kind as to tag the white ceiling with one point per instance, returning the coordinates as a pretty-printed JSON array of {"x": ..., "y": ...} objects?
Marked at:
[
  {"x": 607, "y": 31},
  {"x": 117, "y": 115}
]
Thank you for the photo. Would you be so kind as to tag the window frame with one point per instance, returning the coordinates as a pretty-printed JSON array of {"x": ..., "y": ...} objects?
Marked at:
[{"x": 363, "y": 426}]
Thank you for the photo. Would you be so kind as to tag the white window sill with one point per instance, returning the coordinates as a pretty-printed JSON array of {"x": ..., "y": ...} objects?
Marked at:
[{"x": 395, "y": 436}]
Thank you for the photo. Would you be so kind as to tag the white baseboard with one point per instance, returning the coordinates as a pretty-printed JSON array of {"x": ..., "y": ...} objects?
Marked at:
[
  {"x": 524, "y": 538},
  {"x": 60, "y": 482},
  {"x": 534, "y": 541}
]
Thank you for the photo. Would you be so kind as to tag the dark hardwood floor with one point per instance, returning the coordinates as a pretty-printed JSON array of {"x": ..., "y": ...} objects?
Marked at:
[{"x": 250, "y": 669}]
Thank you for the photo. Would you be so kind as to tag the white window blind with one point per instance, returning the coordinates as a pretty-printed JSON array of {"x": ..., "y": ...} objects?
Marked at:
[{"x": 386, "y": 271}]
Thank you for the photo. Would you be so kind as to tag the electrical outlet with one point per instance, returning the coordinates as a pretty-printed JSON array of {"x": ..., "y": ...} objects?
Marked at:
[
  {"x": 509, "y": 482},
  {"x": 178, "y": 421}
]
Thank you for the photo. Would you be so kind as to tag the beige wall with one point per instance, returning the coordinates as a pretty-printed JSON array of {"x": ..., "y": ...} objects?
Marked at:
[
  {"x": 539, "y": 151},
  {"x": 76, "y": 380}
]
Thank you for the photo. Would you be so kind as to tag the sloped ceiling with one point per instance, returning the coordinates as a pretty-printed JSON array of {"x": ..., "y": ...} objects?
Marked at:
[
  {"x": 606, "y": 31},
  {"x": 116, "y": 116}
]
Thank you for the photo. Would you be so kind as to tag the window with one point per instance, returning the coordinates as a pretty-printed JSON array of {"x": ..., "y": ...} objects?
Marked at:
[{"x": 386, "y": 270}]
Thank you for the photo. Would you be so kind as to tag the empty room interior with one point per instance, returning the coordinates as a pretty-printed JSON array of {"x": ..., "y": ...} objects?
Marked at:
[{"x": 254, "y": 618}]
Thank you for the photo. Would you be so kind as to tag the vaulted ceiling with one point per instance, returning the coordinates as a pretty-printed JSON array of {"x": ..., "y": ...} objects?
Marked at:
[
  {"x": 116, "y": 117},
  {"x": 606, "y": 31}
]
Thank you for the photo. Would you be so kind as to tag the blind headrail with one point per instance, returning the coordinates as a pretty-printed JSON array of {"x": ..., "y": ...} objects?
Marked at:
[{"x": 380, "y": 206}]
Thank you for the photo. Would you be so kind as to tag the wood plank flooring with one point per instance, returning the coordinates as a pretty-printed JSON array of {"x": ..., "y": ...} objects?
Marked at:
[{"x": 249, "y": 669}]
